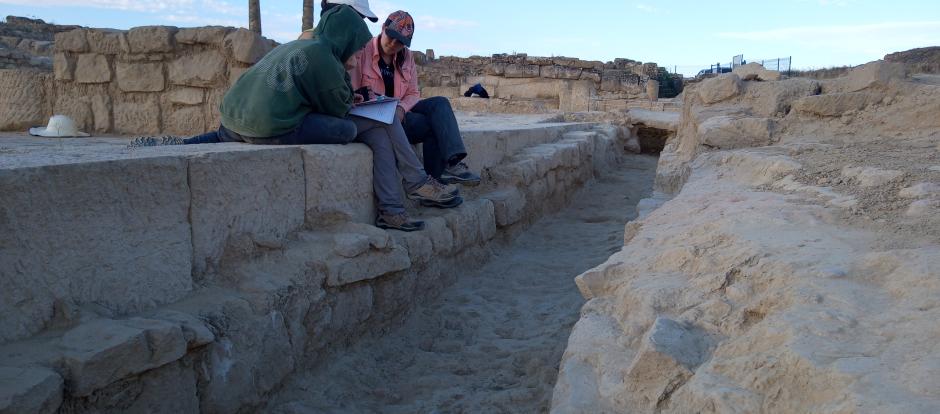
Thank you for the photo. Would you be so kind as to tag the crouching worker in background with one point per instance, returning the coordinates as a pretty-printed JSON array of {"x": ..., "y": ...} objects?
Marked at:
[
  {"x": 299, "y": 93},
  {"x": 387, "y": 67}
]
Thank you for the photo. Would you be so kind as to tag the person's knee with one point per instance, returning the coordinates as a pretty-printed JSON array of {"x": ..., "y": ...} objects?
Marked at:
[
  {"x": 347, "y": 132},
  {"x": 439, "y": 102}
]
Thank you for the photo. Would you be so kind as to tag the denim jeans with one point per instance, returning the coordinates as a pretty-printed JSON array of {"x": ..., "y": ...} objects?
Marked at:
[
  {"x": 314, "y": 129},
  {"x": 432, "y": 123}
]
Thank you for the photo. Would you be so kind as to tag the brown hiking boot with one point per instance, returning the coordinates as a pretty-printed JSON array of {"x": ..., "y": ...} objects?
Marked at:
[
  {"x": 398, "y": 222},
  {"x": 435, "y": 192}
]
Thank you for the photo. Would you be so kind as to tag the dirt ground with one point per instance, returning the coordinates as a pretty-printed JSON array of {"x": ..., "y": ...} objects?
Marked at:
[{"x": 492, "y": 342}]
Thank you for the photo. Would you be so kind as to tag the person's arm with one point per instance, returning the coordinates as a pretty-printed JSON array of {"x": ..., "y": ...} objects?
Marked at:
[
  {"x": 411, "y": 95},
  {"x": 336, "y": 102}
]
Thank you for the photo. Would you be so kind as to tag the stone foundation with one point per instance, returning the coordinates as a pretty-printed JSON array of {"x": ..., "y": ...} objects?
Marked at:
[{"x": 137, "y": 274}]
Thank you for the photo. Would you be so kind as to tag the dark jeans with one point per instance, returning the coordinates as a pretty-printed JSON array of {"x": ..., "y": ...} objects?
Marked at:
[
  {"x": 315, "y": 129},
  {"x": 432, "y": 123}
]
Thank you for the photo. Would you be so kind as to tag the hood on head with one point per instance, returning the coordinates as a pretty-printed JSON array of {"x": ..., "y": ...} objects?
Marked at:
[{"x": 344, "y": 29}]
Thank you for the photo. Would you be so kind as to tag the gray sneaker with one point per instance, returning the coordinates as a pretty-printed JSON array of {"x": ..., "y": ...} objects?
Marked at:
[
  {"x": 460, "y": 174},
  {"x": 435, "y": 192},
  {"x": 155, "y": 141}
]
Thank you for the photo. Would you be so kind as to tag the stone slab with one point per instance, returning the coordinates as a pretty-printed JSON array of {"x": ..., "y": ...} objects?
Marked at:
[
  {"x": 338, "y": 184},
  {"x": 91, "y": 233},
  {"x": 257, "y": 194}
]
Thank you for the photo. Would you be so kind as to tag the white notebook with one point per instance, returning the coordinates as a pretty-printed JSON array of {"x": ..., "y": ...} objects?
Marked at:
[{"x": 382, "y": 111}]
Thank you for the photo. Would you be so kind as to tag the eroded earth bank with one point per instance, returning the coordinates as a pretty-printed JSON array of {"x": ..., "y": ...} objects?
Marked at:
[
  {"x": 491, "y": 342},
  {"x": 795, "y": 267}
]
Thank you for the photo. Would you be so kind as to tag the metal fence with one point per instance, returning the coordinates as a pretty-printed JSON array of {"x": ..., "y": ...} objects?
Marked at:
[{"x": 782, "y": 65}]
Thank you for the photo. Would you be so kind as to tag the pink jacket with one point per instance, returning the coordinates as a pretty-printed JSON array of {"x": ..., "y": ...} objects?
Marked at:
[{"x": 406, "y": 77}]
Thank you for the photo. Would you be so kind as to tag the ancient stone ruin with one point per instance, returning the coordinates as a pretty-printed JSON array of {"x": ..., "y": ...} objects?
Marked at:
[{"x": 760, "y": 243}]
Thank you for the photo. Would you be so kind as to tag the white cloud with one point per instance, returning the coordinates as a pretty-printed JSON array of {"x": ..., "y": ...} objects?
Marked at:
[
  {"x": 840, "y": 33},
  {"x": 646, "y": 8},
  {"x": 175, "y": 7},
  {"x": 442, "y": 23}
]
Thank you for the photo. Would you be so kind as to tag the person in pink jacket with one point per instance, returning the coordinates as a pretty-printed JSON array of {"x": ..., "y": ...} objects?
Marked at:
[{"x": 386, "y": 67}]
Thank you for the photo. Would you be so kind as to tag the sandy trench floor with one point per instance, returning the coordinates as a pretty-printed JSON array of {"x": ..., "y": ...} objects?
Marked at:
[{"x": 492, "y": 342}]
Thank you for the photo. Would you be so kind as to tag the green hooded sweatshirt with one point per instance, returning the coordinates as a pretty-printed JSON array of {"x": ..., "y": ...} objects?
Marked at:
[{"x": 297, "y": 78}]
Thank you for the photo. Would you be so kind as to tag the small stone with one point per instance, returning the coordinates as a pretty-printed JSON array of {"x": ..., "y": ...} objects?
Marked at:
[
  {"x": 71, "y": 41},
  {"x": 920, "y": 190},
  {"x": 246, "y": 46},
  {"x": 140, "y": 77},
  {"x": 187, "y": 96}
]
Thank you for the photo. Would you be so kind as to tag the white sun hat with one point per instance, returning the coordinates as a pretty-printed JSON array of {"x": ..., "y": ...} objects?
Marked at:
[
  {"x": 361, "y": 6},
  {"x": 60, "y": 126}
]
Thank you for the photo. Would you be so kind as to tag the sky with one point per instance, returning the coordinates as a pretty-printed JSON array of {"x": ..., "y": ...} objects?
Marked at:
[{"x": 684, "y": 36}]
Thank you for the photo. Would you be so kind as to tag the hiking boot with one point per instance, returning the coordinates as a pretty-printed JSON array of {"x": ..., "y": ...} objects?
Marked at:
[
  {"x": 435, "y": 192},
  {"x": 398, "y": 222},
  {"x": 457, "y": 201},
  {"x": 460, "y": 174}
]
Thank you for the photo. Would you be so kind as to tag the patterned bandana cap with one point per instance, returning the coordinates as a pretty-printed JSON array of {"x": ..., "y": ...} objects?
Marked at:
[{"x": 401, "y": 27}]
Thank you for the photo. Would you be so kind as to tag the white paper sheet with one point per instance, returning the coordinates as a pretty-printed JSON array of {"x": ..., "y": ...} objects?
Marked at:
[{"x": 382, "y": 111}]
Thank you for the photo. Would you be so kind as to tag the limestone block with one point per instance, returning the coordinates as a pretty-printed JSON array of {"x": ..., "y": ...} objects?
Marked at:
[
  {"x": 187, "y": 96},
  {"x": 258, "y": 194},
  {"x": 234, "y": 73},
  {"x": 440, "y": 234},
  {"x": 90, "y": 233},
  {"x": 246, "y": 46},
  {"x": 874, "y": 74},
  {"x": 152, "y": 39},
  {"x": 194, "y": 330},
  {"x": 29, "y": 390},
  {"x": 92, "y": 68},
  {"x": 101, "y": 352},
  {"x": 496, "y": 69},
  {"x": 342, "y": 271},
  {"x": 23, "y": 100},
  {"x": 351, "y": 307},
  {"x": 560, "y": 72},
  {"x": 213, "y": 114},
  {"x": 486, "y": 214},
  {"x": 149, "y": 392},
  {"x": 107, "y": 42},
  {"x": 509, "y": 205},
  {"x": 140, "y": 77},
  {"x": 420, "y": 247},
  {"x": 71, "y": 41},
  {"x": 464, "y": 223},
  {"x": 338, "y": 184},
  {"x": 755, "y": 71},
  {"x": 136, "y": 118},
  {"x": 775, "y": 99},
  {"x": 835, "y": 104},
  {"x": 719, "y": 88},
  {"x": 591, "y": 76},
  {"x": 611, "y": 80},
  {"x": 63, "y": 66},
  {"x": 204, "y": 69},
  {"x": 350, "y": 245},
  {"x": 211, "y": 35},
  {"x": 589, "y": 64},
  {"x": 728, "y": 132},
  {"x": 11, "y": 42},
  {"x": 101, "y": 111},
  {"x": 923, "y": 208},
  {"x": 185, "y": 121},
  {"x": 667, "y": 358},
  {"x": 76, "y": 107},
  {"x": 516, "y": 70}
]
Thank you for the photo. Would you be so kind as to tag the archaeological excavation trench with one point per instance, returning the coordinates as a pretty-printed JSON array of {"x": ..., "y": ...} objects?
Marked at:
[{"x": 491, "y": 342}]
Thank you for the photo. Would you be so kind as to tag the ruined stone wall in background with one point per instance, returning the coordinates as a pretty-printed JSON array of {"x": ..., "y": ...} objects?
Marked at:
[
  {"x": 522, "y": 83},
  {"x": 27, "y": 43},
  {"x": 152, "y": 79}
]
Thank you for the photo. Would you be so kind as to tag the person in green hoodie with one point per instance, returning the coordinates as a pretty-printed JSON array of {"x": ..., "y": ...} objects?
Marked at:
[{"x": 300, "y": 93}]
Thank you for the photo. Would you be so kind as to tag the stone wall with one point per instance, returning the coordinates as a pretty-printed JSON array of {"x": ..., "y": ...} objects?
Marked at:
[
  {"x": 523, "y": 83},
  {"x": 150, "y": 80},
  {"x": 160, "y": 279}
]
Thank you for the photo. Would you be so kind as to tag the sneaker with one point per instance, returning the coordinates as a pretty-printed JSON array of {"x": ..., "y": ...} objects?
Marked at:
[
  {"x": 460, "y": 174},
  {"x": 155, "y": 141},
  {"x": 434, "y": 191},
  {"x": 398, "y": 222},
  {"x": 457, "y": 201}
]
